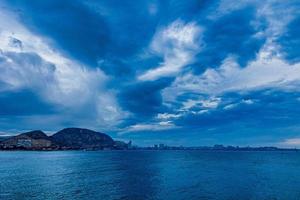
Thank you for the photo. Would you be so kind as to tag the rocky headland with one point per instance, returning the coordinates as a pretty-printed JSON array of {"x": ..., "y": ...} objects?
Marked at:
[{"x": 66, "y": 139}]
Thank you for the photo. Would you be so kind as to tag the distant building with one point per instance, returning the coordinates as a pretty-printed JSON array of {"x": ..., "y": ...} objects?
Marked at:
[
  {"x": 24, "y": 141},
  {"x": 27, "y": 143}
]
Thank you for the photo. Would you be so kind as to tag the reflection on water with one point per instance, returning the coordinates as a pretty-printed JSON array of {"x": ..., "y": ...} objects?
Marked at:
[{"x": 149, "y": 175}]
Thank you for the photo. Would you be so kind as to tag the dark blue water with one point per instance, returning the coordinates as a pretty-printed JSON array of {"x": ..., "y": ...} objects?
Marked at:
[{"x": 149, "y": 175}]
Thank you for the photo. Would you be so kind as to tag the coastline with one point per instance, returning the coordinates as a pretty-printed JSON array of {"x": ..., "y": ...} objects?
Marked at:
[{"x": 158, "y": 150}]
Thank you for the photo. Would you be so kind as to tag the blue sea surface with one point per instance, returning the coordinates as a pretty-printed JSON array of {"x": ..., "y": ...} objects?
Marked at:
[{"x": 149, "y": 175}]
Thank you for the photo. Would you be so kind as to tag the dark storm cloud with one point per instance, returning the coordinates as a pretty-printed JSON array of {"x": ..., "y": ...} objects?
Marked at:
[
  {"x": 144, "y": 99},
  {"x": 232, "y": 34},
  {"x": 290, "y": 41},
  {"x": 74, "y": 28}
]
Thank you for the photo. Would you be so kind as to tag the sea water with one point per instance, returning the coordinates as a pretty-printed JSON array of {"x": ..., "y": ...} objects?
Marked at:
[{"x": 141, "y": 175}]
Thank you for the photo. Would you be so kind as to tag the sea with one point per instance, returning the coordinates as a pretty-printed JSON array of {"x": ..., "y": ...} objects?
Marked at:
[{"x": 146, "y": 174}]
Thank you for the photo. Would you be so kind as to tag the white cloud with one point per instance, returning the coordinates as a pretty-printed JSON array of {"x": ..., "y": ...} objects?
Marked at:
[
  {"x": 28, "y": 61},
  {"x": 204, "y": 103},
  {"x": 159, "y": 126},
  {"x": 36, "y": 63},
  {"x": 178, "y": 44},
  {"x": 248, "y": 101},
  {"x": 233, "y": 105},
  {"x": 268, "y": 71},
  {"x": 5, "y": 134},
  {"x": 19, "y": 70},
  {"x": 167, "y": 116},
  {"x": 277, "y": 13},
  {"x": 291, "y": 142},
  {"x": 230, "y": 106}
]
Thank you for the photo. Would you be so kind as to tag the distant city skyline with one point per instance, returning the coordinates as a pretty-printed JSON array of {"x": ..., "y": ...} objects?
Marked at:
[{"x": 186, "y": 73}]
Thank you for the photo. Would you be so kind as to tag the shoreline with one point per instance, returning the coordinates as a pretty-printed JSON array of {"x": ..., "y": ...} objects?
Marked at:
[{"x": 153, "y": 150}]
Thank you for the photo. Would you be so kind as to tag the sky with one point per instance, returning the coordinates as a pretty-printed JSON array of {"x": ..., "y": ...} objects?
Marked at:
[{"x": 193, "y": 72}]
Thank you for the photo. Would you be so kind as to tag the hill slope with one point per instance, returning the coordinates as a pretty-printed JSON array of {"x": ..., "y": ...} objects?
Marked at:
[
  {"x": 68, "y": 138},
  {"x": 78, "y": 138},
  {"x": 34, "y": 140}
]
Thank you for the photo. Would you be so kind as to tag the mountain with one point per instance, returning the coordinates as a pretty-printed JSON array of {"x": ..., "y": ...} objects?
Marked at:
[
  {"x": 2, "y": 138},
  {"x": 35, "y": 135},
  {"x": 79, "y": 138},
  {"x": 34, "y": 140},
  {"x": 68, "y": 138}
]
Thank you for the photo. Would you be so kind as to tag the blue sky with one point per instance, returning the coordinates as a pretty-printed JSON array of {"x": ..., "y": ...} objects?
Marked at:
[{"x": 192, "y": 72}]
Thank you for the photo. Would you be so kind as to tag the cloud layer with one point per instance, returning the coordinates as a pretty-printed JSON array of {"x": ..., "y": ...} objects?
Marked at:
[{"x": 193, "y": 72}]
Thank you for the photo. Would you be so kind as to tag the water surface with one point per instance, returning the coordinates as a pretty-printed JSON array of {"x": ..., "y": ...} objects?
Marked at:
[{"x": 149, "y": 175}]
